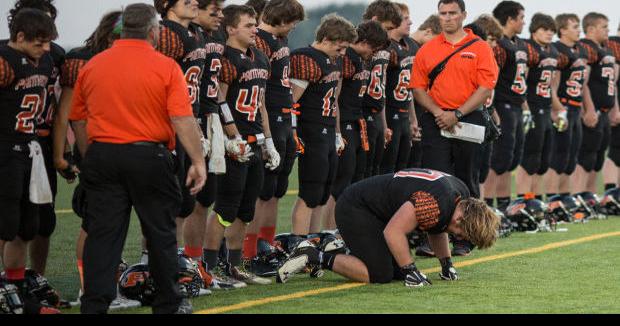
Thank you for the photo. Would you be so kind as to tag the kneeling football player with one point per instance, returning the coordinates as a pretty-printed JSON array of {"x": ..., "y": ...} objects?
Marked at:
[{"x": 375, "y": 216}]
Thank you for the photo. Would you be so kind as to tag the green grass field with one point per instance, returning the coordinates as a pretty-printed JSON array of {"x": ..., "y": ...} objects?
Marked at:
[{"x": 572, "y": 278}]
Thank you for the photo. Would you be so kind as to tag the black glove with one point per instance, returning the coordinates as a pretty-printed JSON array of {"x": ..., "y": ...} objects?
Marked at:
[
  {"x": 413, "y": 277},
  {"x": 69, "y": 172},
  {"x": 448, "y": 272}
]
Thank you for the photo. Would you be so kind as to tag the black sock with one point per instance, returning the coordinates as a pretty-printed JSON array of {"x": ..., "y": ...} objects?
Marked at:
[
  {"x": 502, "y": 203},
  {"x": 539, "y": 197},
  {"x": 210, "y": 258},
  {"x": 565, "y": 194},
  {"x": 610, "y": 186},
  {"x": 234, "y": 257},
  {"x": 489, "y": 201},
  {"x": 327, "y": 260}
]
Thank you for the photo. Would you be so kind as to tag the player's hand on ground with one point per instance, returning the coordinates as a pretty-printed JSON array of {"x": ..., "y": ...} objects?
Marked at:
[
  {"x": 590, "y": 118},
  {"x": 238, "y": 149},
  {"x": 271, "y": 155},
  {"x": 448, "y": 272},
  {"x": 196, "y": 177},
  {"x": 413, "y": 277}
]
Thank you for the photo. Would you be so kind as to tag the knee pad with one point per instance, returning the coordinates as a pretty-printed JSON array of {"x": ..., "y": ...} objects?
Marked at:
[
  {"x": 385, "y": 275},
  {"x": 501, "y": 163},
  {"x": 47, "y": 220},
  {"x": 587, "y": 161},
  {"x": 9, "y": 221},
  {"x": 281, "y": 187}
]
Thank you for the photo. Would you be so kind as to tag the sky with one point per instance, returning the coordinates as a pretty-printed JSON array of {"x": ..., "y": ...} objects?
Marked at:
[{"x": 78, "y": 18}]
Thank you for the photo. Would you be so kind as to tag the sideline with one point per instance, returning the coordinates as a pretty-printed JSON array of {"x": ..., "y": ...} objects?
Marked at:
[{"x": 297, "y": 295}]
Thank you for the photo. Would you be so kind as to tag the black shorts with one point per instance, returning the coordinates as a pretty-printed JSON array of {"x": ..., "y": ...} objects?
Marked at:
[
  {"x": 276, "y": 181},
  {"x": 566, "y": 144},
  {"x": 47, "y": 214},
  {"x": 349, "y": 160},
  {"x": 376, "y": 142},
  {"x": 318, "y": 164},
  {"x": 595, "y": 143},
  {"x": 238, "y": 189},
  {"x": 538, "y": 142},
  {"x": 396, "y": 154},
  {"x": 363, "y": 234},
  {"x": 182, "y": 165},
  {"x": 19, "y": 216},
  {"x": 614, "y": 145},
  {"x": 206, "y": 196},
  {"x": 508, "y": 149}
]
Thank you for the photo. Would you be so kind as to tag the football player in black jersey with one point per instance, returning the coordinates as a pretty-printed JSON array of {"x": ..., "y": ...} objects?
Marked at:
[
  {"x": 371, "y": 37},
  {"x": 572, "y": 66},
  {"x": 315, "y": 79},
  {"x": 279, "y": 18},
  {"x": 542, "y": 63},
  {"x": 25, "y": 69},
  {"x": 388, "y": 15},
  {"x": 106, "y": 32},
  {"x": 374, "y": 217},
  {"x": 242, "y": 81},
  {"x": 599, "y": 99},
  {"x": 612, "y": 164},
  {"x": 399, "y": 109},
  {"x": 511, "y": 55},
  {"x": 39, "y": 247}
]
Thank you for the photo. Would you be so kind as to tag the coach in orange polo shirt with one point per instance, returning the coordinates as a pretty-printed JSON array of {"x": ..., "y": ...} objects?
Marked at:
[
  {"x": 457, "y": 93},
  {"x": 134, "y": 100}
]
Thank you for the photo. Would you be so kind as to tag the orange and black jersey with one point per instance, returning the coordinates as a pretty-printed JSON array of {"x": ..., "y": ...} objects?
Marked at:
[
  {"x": 397, "y": 93},
  {"x": 434, "y": 195},
  {"x": 572, "y": 64},
  {"x": 318, "y": 103},
  {"x": 279, "y": 95},
  {"x": 602, "y": 80},
  {"x": 246, "y": 75},
  {"x": 187, "y": 47},
  {"x": 542, "y": 63},
  {"x": 511, "y": 56},
  {"x": 209, "y": 87},
  {"x": 75, "y": 60},
  {"x": 374, "y": 99},
  {"x": 614, "y": 45},
  {"x": 354, "y": 79},
  {"x": 23, "y": 93}
]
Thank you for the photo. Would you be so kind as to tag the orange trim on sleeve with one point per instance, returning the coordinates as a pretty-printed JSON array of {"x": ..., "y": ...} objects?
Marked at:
[{"x": 7, "y": 75}]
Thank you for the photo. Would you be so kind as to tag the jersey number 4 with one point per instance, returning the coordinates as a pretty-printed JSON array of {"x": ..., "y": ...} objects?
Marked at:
[
  {"x": 328, "y": 105},
  {"x": 249, "y": 107}
]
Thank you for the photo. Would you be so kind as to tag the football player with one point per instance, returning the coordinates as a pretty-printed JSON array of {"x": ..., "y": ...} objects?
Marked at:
[
  {"x": 315, "y": 78},
  {"x": 388, "y": 15},
  {"x": 26, "y": 70},
  {"x": 612, "y": 163},
  {"x": 106, "y": 32},
  {"x": 399, "y": 108},
  {"x": 279, "y": 18},
  {"x": 242, "y": 81},
  {"x": 572, "y": 66},
  {"x": 511, "y": 55},
  {"x": 542, "y": 63},
  {"x": 374, "y": 217},
  {"x": 599, "y": 98},
  {"x": 39, "y": 247},
  {"x": 371, "y": 37},
  {"x": 259, "y": 7}
]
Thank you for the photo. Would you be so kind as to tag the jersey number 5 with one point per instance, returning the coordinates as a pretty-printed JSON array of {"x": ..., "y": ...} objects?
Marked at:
[{"x": 519, "y": 86}]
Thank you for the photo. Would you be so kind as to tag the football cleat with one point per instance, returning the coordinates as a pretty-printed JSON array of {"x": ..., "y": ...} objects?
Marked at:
[
  {"x": 461, "y": 247},
  {"x": 610, "y": 204},
  {"x": 223, "y": 282},
  {"x": 305, "y": 255},
  {"x": 590, "y": 205},
  {"x": 38, "y": 286},
  {"x": 424, "y": 249},
  {"x": 240, "y": 273},
  {"x": 10, "y": 302}
]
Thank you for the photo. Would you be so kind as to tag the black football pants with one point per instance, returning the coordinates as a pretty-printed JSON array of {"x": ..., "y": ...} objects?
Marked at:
[{"x": 396, "y": 154}]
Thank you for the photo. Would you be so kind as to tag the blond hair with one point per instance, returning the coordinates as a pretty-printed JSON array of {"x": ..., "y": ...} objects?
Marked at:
[
  {"x": 479, "y": 223},
  {"x": 336, "y": 28},
  {"x": 489, "y": 26}
]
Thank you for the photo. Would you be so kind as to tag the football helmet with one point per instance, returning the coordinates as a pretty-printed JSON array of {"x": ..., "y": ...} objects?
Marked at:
[
  {"x": 190, "y": 280},
  {"x": 610, "y": 205},
  {"x": 10, "y": 302},
  {"x": 268, "y": 258},
  {"x": 591, "y": 205},
  {"x": 558, "y": 210},
  {"x": 505, "y": 225},
  {"x": 136, "y": 283},
  {"x": 38, "y": 286},
  {"x": 529, "y": 215}
]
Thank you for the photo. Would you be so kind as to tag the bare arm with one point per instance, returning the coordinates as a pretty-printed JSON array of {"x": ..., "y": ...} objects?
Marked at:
[
  {"x": 440, "y": 244},
  {"x": 476, "y": 100},
  {"x": 188, "y": 132},
  {"x": 229, "y": 129},
  {"x": 395, "y": 233},
  {"x": 81, "y": 138},
  {"x": 265, "y": 116},
  {"x": 61, "y": 126},
  {"x": 337, "y": 106},
  {"x": 427, "y": 102}
]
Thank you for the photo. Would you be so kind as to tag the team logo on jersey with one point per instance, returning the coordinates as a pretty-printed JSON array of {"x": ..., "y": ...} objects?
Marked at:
[
  {"x": 18, "y": 148},
  {"x": 521, "y": 55},
  {"x": 349, "y": 127},
  {"x": 324, "y": 131},
  {"x": 468, "y": 55},
  {"x": 370, "y": 118},
  {"x": 395, "y": 117},
  {"x": 279, "y": 118}
]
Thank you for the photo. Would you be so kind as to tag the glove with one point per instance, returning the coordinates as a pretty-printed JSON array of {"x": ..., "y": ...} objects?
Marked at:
[
  {"x": 69, "y": 173},
  {"x": 413, "y": 277},
  {"x": 562, "y": 124},
  {"x": 528, "y": 122},
  {"x": 448, "y": 272},
  {"x": 273, "y": 157},
  {"x": 300, "y": 146},
  {"x": 340, "y": 143},
  {"x": 206, "y": 146},
  {"x": 238, "y": 149}
]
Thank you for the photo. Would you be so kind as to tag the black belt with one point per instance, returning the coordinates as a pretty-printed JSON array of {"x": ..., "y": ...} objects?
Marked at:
[{"x": 149, "y": 144}]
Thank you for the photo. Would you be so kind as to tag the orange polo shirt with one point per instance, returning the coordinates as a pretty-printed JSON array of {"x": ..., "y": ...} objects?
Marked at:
[
  {"x": 128, "y": 94},
  {"x": 466, "y": 71}
]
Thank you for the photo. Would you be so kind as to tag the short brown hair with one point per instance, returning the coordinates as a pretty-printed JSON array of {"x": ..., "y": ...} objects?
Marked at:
[
  {"x": 163, "y": 6},
  {"x": 258, "y": 5},
  {"x": 431, "y": 22},
  {"x": 385, "y": 11},
  {"x": 372, "y": 33},
  {"x": 336, "y": 29},
  {"x": 562, "y": 20},
  {"x": 233, "y": 13},
  {"x": 402, "y": 7},
  {"x": 203, "y": 4},
  {"x": 279, "y": 12},
  {"x": 540, "y": 20},
  {"x": 35, "y": 24},
  {"x": 138, "y": 19},
  {"x": 591, "y": 19},
  {"x": 461, "y": 3},
  {"x": 479, "y": 223},
  {"x": 489, "y": 25}
]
